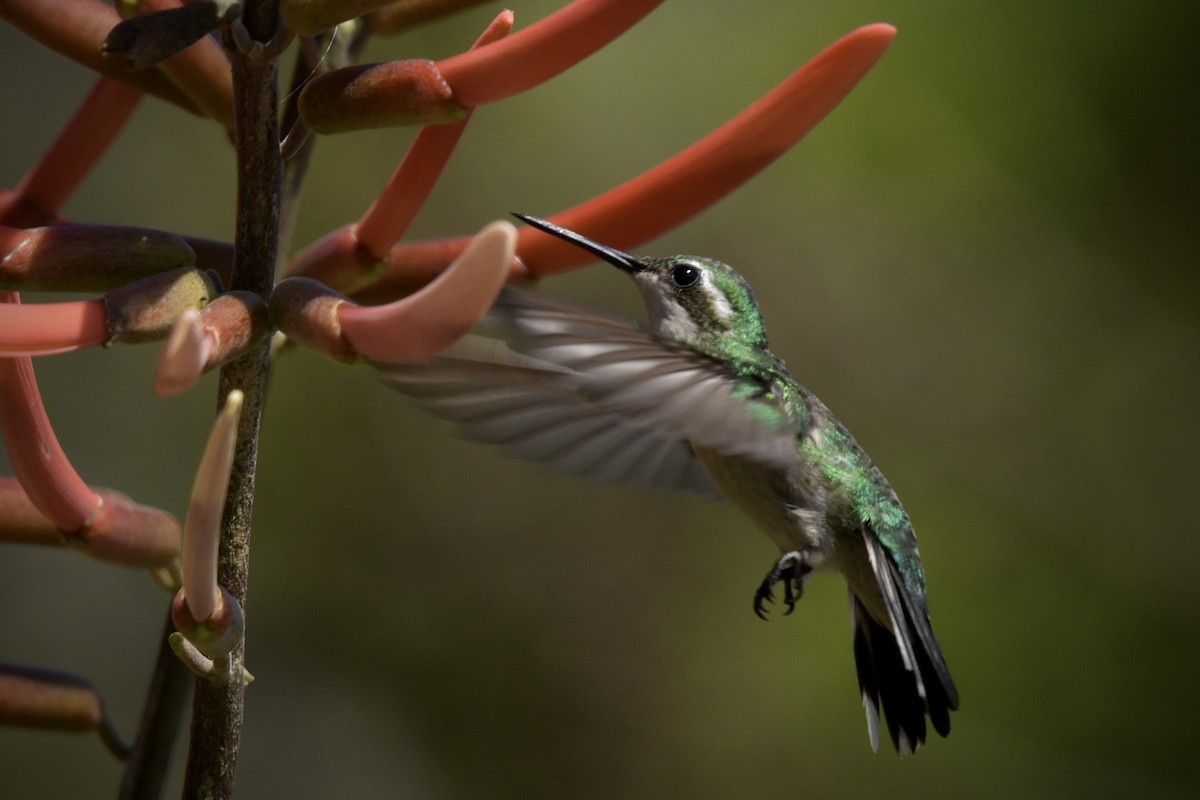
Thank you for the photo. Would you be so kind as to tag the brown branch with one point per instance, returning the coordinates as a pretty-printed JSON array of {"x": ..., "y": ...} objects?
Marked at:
[
  {"x": 217, "y": 711},
  {"x": 146, "y": 770}
]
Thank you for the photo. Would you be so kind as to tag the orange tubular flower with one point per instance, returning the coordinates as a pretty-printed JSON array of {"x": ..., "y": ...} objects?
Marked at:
[
  {"x": 343, "y": 256},
  {"x": 389, "y": 216},
  {"x": 48, "y": 328},
  {"x": 541, "y": 51},
  {"x": 415, "y": 327},
  {"x": 37, "y": 458},
  {"x": 497, "y": 66},
  {"x": 87, "y": 136},
  {"x": 678, "y": 188},
  {"x": 427, "y": 322},
  {"x": 689, "y": 182}
]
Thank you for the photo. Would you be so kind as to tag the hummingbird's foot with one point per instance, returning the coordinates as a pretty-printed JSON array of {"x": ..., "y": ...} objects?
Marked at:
[{"x": 791, "y": 569}]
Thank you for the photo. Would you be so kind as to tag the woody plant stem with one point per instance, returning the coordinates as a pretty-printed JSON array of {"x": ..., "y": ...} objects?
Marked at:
[{"x": 217, "y": 710}]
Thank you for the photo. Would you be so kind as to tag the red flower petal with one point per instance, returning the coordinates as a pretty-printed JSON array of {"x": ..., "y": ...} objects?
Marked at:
[{"x": 541, "y": 51}]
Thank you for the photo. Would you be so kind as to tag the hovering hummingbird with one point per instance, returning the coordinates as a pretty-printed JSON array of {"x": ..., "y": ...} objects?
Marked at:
[{"x": 698, "y": 402}]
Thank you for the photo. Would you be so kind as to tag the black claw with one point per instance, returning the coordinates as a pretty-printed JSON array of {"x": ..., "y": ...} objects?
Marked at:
[
  {"x": 762, "y": 596},
  {"x": 791, "y": 591},
  {"x": 791, "y": 570}
]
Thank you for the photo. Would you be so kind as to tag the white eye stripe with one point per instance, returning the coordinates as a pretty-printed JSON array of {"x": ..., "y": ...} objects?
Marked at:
[{"x": 721, "y": 304}]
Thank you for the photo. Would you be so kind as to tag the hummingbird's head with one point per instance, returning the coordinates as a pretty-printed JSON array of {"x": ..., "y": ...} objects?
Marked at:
[{"x": 690, "y": 299}]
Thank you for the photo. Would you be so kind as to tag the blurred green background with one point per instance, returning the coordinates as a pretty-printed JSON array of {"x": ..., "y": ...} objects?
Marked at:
[{"x": 984, "y": 262}]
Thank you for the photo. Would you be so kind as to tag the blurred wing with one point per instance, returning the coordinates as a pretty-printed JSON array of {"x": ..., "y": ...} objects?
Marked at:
[
  {"x": 660, "y": 385},
  {"x": 594, "y": 396},
  {"x": 534, "y": 411}
]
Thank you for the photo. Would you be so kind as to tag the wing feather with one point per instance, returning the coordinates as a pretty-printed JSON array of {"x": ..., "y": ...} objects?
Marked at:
[
  {"x": 534, "y": 411},
  {"x": 661, "y": 385},
  {"x": 594, "y": 396}
]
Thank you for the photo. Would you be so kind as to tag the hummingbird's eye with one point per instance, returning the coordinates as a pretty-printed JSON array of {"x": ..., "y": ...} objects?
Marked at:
[{"x": 685, "y": 275}]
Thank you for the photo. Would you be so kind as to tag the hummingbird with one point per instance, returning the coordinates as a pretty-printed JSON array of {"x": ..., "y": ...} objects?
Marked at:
[{"x": 697, "y": 402}]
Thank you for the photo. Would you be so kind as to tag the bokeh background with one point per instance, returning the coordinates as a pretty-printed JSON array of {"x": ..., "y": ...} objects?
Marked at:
[{"x": 984, "y": 262}]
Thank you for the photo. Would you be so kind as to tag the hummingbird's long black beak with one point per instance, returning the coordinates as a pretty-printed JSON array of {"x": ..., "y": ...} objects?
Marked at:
[{"x": 611, "y": 255}]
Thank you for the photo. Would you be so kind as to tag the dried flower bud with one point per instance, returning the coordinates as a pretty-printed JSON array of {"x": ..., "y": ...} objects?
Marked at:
[
  {"x": 146, "y": 39},
  {"x": 33, "y": 697},
  {"x": 88, "y": 258},
  {"x": 40, "y": 698}
]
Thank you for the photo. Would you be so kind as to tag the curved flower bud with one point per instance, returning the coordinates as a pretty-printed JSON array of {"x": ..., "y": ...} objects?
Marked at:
[
  {"x": 205, "y": 613},
  {"x": 205, "y": 339},
  {"x": 202, "y": 529},
  {"x": 425, "y": 323},
  {"x": 37, "y": 459},
  {"x": 678, "y": 188},
  {"x": 182, "y": 360},
  {"x": 415, "y": 327},
  {"x": 41, "y": 698},
  {"x": 86, "y": 258}
]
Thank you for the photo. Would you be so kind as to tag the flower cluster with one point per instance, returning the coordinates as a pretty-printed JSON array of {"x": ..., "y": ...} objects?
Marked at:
[{"x": 361, "y": 291}]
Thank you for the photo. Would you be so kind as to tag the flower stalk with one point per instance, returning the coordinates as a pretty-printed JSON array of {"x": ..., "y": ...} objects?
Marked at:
[{"x": 217, "y": 710}]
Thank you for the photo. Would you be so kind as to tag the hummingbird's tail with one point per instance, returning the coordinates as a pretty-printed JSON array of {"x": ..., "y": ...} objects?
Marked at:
[{"x": 900, "y": 666}]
